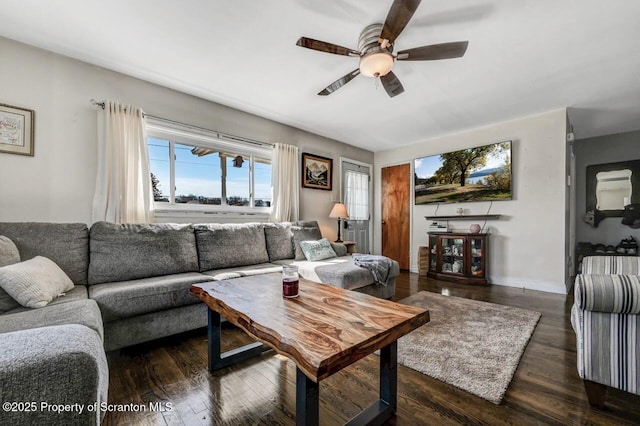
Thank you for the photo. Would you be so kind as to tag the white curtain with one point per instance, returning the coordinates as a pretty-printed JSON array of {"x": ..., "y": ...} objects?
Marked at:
[
  {"x": 357, "y": 195},
  {"x": 123, "y": 185},
  {"x": 285, "y": 183}
]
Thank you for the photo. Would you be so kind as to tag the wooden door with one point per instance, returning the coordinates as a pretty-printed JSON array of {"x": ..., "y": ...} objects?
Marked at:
[{"x": 396, "y": 202}]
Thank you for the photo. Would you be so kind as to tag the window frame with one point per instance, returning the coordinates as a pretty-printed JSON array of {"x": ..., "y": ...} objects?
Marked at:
[{"x": 175, "y": 133}]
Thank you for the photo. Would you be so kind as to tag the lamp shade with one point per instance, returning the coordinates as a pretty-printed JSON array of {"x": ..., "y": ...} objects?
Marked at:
[{"x": 339, "y": 211}]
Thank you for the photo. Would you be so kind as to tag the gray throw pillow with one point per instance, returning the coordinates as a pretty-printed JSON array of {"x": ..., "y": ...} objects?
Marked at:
[
  {"x": 317, "y": 250},
  {"x": 303, "y": 233},
  {"x": 35, "y": 282},
  {"x": 9, "y": 255}
]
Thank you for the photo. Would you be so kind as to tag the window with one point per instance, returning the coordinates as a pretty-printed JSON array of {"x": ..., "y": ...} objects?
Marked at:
[
  {"x": 195, "y": 169},
  {"x": 357, "y": 195}
]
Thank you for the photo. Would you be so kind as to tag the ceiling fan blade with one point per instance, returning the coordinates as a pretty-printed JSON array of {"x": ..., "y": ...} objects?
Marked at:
[
  {"x": 434, "y": 52},
  {"x": 398, "y": 17},
  {"x": 339, "y": 83},
  {"x": 323, "y": 46},
  {"x": 391, "y": 84}
]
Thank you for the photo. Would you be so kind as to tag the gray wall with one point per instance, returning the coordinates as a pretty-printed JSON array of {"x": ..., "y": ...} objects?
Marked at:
[
  {"x": 600, "y": 150},
  {"x": 57, "y": 184}
]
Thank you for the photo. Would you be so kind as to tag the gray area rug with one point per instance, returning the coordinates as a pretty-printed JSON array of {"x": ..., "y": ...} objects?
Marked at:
[{"x": 475, "y": 346}]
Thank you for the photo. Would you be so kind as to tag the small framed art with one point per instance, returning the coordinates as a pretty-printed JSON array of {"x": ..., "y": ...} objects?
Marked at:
[{"x": 16, "y": 130}]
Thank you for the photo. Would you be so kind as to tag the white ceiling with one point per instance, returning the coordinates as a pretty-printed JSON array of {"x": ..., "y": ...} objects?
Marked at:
[{"x": 524, "y": 57}]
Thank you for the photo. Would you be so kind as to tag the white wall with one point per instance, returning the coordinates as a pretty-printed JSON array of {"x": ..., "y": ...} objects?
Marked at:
[
  {"x": 58, "y": 183},
  {"x": 527, "y": 244}
]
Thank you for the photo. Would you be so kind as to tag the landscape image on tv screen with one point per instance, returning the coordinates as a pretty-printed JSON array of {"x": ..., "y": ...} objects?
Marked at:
[{"x": 482, "y": 173}]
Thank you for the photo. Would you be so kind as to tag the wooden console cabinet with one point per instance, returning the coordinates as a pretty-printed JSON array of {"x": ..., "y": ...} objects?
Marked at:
[{"x": 457, "y": 257}]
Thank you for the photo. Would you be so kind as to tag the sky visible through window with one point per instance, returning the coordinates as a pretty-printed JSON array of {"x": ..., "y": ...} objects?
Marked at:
[{"x": 201, "y": 176}]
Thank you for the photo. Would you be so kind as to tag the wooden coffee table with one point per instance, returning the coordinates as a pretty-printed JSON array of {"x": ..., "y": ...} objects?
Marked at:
[{"x": 323, "y": 330}]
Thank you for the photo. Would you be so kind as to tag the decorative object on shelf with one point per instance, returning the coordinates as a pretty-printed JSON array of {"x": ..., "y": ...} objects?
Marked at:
[
  {"x": 438, "y": 227},
  {"x": 16, "y": 130},
  {"x": 480, "y": 173},
  {"x": 316, "y": 172},
  {"x": 475, "y": 228},
  {"x": 631, "y": 216},
  {"x": 460, "y": 211},
  {"x": 339, "y": 211}
]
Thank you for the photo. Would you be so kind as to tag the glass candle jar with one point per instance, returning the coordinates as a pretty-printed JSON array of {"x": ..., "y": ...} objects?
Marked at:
[{"x": 290, "y": 281}]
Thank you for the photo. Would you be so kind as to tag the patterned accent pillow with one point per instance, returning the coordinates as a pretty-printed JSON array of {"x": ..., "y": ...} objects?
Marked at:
[
  {"x": 303, "y": 233},
  {"x": 317, "y": 250}
]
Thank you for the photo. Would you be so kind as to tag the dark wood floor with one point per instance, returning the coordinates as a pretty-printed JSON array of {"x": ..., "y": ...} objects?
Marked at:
[{"x": 546, "y": 388}]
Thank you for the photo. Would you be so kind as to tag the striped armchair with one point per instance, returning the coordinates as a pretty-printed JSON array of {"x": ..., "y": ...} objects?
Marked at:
[{"x": 606, "y": 319}]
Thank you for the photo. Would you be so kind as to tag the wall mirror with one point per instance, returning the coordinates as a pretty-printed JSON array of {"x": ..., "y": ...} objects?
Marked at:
[{"x": 610, "y": 187}]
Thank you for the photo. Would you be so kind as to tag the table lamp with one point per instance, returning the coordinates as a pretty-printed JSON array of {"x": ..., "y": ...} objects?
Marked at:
[{"x": 339, "y": 211}]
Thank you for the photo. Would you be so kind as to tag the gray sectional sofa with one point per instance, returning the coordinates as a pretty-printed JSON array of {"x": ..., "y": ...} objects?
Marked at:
[{"x": 131, "y": 285}]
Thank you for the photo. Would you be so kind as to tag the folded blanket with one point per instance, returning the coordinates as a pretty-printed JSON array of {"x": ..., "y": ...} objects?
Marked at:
[{"x": 379, "y": 266}]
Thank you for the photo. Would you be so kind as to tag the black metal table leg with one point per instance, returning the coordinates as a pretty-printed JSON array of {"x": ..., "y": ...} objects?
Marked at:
[
  {"x": 307, "y": 400},
  {"x": 385, "y": 407},
  {"x": 218, "y": 360}
]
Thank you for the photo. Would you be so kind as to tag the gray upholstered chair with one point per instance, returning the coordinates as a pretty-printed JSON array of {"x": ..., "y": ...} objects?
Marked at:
[{"x": 606, "y": 319}]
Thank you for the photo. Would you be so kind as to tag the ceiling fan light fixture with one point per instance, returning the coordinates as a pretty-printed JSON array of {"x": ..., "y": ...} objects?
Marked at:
[{"x": 377, "y": 64}]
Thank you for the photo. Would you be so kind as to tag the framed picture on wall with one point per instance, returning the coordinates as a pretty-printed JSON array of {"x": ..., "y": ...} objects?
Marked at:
[
  {"x": 16, "y": 130},
  {"x": 316, "y": 171}
]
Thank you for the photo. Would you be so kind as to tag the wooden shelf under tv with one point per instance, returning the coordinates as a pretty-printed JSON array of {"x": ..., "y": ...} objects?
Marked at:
[{"x": 464, "y": 217}]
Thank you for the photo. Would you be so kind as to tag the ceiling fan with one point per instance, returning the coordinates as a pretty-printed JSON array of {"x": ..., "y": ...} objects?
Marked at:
[{"x": 375, "y": 50}]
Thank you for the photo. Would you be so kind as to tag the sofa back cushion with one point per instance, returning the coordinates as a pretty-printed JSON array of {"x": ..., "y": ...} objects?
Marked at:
[
  {"x": 67, "y": 244},
  {"x": 279, "y": 241},
  {"x": 309, "y": 232},
  {"x": 122, "y": 252},
  {"x": 230, "y": 244}
]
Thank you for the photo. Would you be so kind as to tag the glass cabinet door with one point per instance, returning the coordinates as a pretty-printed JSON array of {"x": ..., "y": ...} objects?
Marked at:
[
  {"x": 433, "y": 254},
  {"x": 453, "y": 255},
  {"x": 477, "y": 257}
]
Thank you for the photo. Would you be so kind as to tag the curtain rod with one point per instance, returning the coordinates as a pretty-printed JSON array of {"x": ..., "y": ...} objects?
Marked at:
[{"x": 218, "y": 134}]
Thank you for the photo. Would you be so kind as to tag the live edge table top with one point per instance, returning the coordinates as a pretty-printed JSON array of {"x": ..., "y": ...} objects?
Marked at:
[{"x": 323, "y": 330}]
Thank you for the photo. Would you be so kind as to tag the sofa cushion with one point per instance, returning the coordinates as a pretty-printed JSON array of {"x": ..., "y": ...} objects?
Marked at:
[
  {"x": 317, "y": 250},
  {"x": 339, "y": 271},
  {"x": 243, "y": 271},
  {"x": 35, "y": 282},
  {"x": 130, "y": 298},
  {"x": 121, "y": 252},
  {"x": 9, "y": 255},
  {"x": 304, "y": 233},
  {"x": 228, "y": 245},
  {"x": 279, "y": 240},
  {"x": 79, "y": 292},
  {"x": 83, "y": 312},
  {"x": 67, "y": 244}
]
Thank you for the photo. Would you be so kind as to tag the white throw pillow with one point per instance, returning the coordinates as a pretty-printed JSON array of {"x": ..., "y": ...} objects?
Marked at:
[
  {"x": 35, "y": 282},
  {"x": 317, "y": 250}
]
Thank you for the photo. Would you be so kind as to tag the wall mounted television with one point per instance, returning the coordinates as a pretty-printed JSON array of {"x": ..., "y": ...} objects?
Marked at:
[{"x": 482, "y": 173}]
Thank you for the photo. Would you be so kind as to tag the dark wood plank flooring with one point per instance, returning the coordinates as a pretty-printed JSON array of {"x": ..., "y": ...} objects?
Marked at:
[{"x": 545, "y": 390}]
